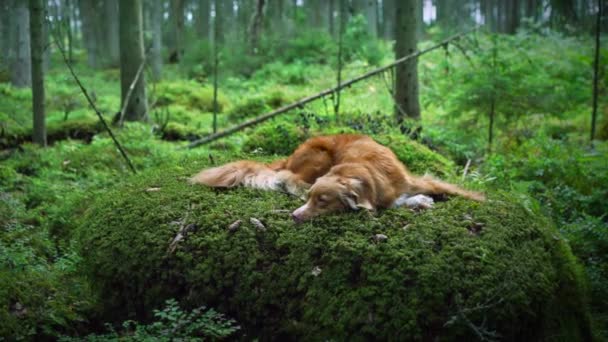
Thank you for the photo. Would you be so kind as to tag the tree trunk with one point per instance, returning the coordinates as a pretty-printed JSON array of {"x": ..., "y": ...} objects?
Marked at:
[
  {"x": 563, "y": 11},
  {"x": 5, "y": 29},
  {"x": 218, "y": 23},
  {"x": 512, "y": 13},
  {"x": 131, "y": 57},
  {"x": 420, "y": 20},
  {"x": 487, "y": 9},
  {"x": 330, "y": 17},
  {"x": 371, "y": 14},
  {"x": 177, "y": 7},
  {"x": 111, "y": 32},
  {"x": 203, "y": 14},
  {"x": 276, "y": 10},
  {"x": 388, "y": 18},
  {"x": 406, "y": 82},
  {"x": 444, "y": 13},
  {"x": 255, "y": 28},
  {"x": 244, "y": 20},
  {"x": 67, "y": 17},
  {"x": 21, "y": 67},
  {"x": 157, "y": 34},
  {"x": 90, "y": 36},
  {"x": 531, "y": 9},
  {"x": 37, "y": 56}
]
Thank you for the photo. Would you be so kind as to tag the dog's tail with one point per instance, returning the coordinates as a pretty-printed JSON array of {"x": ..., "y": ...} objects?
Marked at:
[
  {"x": 429, "y": 186},
  {"x": 248, "y": 173}
]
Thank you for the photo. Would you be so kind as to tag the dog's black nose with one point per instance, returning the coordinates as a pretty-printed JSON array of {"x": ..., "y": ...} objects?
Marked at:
[{"x": 297, "y": 219}]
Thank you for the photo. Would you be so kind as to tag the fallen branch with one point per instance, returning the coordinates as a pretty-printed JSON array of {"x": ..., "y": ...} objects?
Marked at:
[
  {"x": 326, "y": 92},
  {"x": 130, "y": 92},
  {"x": 103, "y": 121}
]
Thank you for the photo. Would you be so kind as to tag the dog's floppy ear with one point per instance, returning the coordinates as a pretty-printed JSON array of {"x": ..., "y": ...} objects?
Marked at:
[
  {"x": 356, "y": 202},
  {"x": 352, "y": 196}
]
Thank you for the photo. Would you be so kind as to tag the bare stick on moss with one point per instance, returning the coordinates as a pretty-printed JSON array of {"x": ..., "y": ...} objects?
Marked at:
[
  {"x": 84, "y": 91},
  {"x": 130, "y": 92},
  {"x": 325, "y": 92},
  {"x": 466, "y": 169}
]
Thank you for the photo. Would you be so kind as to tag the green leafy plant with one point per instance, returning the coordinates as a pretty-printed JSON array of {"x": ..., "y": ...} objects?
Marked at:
[{"x": 172, "y": 324}]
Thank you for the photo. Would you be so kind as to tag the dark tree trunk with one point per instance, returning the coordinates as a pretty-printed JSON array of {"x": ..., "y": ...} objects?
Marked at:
[
  {"x": 218, "y": 23},
  {"x": 563, "y": 11},
  {"x": 532, "y": 9},
  {"x": 388, "y": 18},
  {"x": 203, "y": 14},
  {"x": 110, "y": 24},
  {"x": 255, "y": 28},
  {"x": 131, "y": 58},
  {"x": 156, "y": 51},
  {"x": 406, "y": 82},
  {"x": 5, "y": 29},
  {"x": 177, "y": 8},
  {"x": 89, "y": 16},
  {"x": 37, "y": 54},
  {"x": 20, "y": 58},
  {"x": 596, "y": 63}
]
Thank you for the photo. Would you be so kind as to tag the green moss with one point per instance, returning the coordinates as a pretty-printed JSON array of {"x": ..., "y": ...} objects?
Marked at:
[
  {"x": 189, "y": 94},
  {"x": 494, "y": 265},
  {"x": 248, "y": 108},
  {"x": 275, "y": 138},
  {"x": 418, "y": 158},
  {"x": 178, "y": 131},
  {"x": 257, "y": 105}
]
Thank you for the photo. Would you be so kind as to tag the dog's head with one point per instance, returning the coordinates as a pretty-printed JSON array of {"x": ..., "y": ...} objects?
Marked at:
[{"x": 333, "y": 193}]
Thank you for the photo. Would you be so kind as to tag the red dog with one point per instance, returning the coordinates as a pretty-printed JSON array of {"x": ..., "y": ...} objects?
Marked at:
[{"x": 340, "y": 172}]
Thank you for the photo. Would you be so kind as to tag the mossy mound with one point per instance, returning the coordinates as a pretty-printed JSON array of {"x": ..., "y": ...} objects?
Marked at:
[
  {"x": 275, "y": 139},
  {"x": 461, "y": 269},
  {"x": 189, "y": 94},
  {"x": 81, "y": 129},
  {"x": 417, "y": 157},
  {"x": 257, "y": 105}
]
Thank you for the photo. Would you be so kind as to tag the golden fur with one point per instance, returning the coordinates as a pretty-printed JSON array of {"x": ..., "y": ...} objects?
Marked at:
[{"x": 340, "y": 172}]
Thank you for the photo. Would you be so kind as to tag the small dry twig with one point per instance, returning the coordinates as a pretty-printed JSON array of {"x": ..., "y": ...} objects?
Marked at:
[
  {"x": 257, "y": 224},
  {"x": 130, "y": 92},
  {"x": 466, "y": 169}
]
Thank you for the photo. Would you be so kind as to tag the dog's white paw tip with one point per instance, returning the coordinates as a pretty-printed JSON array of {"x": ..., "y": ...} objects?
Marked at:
[{"x": 419, "y": 202}]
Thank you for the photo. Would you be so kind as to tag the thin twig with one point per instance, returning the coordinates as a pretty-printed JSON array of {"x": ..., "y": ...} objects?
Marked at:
[
  {"x": 130, "y": 92},
  {"x": 466, "y": 169},
  {"x": 464, "y": 53},
  {"x": 325, "y": 92},
  {"x": 389, "y": 89},
  {"x": 84, "y": 91}
]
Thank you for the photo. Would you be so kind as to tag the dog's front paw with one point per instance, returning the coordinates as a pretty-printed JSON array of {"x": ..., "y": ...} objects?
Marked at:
[{"x": 414, "y": 202}]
